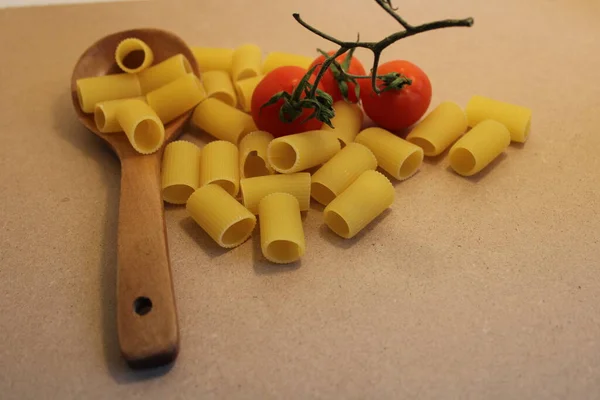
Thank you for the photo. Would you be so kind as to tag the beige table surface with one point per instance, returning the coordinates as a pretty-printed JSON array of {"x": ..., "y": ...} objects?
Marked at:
[{"x": 468, "y": 288}]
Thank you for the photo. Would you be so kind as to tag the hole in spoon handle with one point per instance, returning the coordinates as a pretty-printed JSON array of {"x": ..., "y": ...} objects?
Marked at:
[{"x": 142, "y": 305}]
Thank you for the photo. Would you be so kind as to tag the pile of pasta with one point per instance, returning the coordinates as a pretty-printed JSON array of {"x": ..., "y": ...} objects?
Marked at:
[
  {"x": 144, "y": 98},
  {"x": 245, "y": 173}
]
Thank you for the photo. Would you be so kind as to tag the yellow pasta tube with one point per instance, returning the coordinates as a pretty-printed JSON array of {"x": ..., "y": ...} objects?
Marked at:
[
  {"x": 255, "y": 189},
  {"x": 180, "y": 172},
  {"x": 176, "y": 98},
  {"x": 225, "y": 220},
  {"x": 142, "y": 126},
  {"x": 281, "y": 233},
  {"x": 293, "y": 153},
  {"x": 164, "y": 72},
  {"x": 133, "y": 55},
  {"x": 245, "y": 90},
  {"x": 478, "y": 147},
  {"x": 516, "y": 118},
  {"x": 346, "y": 123},
  {"x": 253, "y": 154},
  {"x": 213, "y": 59},
  {"x": 218, "y": 84},
  {"x": 398, "y": 157},
  {"x": 105, "y": 115},
  {"x": 366, "y": 198},
  {"x": 439, "y": 129},
  {"x": 278, "y": 59},
  {"x": 91, "y": 91},
  {"x": 220, "y": 165},
  {"x": 339, "y": 172},
  {"x": 222, "y": 121},
  {"x": 246, "y": 62}
]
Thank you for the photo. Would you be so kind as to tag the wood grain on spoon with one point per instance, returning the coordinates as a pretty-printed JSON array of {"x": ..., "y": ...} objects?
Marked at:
[{"x": 146, "y": 313}]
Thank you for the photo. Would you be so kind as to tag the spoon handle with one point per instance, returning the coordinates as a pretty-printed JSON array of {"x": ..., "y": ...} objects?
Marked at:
[{"x": 146, "y": 313}]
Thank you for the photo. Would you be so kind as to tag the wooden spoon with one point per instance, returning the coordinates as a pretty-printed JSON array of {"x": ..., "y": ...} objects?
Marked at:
[{"x": 146, "y": 313}]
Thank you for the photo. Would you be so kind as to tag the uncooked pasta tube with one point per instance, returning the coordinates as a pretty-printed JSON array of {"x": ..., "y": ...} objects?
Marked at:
[
  {"x": 222, "y": 121},
  {"x": 346, "y": 123},
  {"x": 255, "y": 189},
  {"x": 253, "y": 154},
  {"x": 439, "y": 129},
  {"x": 341, "y": 171},
  {"x": 91, "y": 91},
  {"x": 218, "y": 85},
  {"x": 516, "y": 118},
  {"x": 278, "y": 59},
  {"x": 221, "y": 216},
  {"x": 358, "y": 205},
  {"x": 164, "y": 72},
  {"x": 281, "y": 233},
  {"x": 396, "y": 156},
  {"x": 477, "y": 148},
  {"x": 246, "y": 62},
  {"x": 245, "y": 89},
  {"x": 105, "y": 115},
  {"x": 176, "y": 98},
  {"x": 133, "y": 55},
  {"x": 293, "y": 153},
  {"x": 213, "y": 59},
  {"x": 220, "y": 165},
  {"x": 180, "y": 171},
  {"x": 142, "y": 126}
]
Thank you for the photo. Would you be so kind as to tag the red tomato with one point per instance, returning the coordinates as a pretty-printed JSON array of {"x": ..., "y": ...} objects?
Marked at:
[
  {"x": 397, "y": 109},
  {"x": 329, "y": 81},
  {"x": 267, "y": 118}
]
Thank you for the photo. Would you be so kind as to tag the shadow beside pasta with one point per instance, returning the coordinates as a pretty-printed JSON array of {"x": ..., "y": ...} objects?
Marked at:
[
  {"x": 331, "y": 237},
  {"x": 264, "y": 267},
  {"x": 483, "y": 173},
  {"x": 205, "y": 242},
  {"x": 435, "y": 161}
]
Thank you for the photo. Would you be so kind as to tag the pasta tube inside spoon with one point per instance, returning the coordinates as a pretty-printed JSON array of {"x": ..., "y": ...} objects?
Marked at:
[{"x": 146, "y": 314}]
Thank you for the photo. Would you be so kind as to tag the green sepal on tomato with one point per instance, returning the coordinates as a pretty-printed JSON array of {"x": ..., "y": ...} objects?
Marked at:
[
  {"x": 397, "y": 108},
  {"x": 279, "y": 105},
  {"x": 337, "y": 85}
]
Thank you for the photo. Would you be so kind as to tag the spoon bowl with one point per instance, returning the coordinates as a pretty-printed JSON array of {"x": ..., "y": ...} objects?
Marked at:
[
  {"x": 146, "y": 314},
  {"x": 99, "y": 60}
]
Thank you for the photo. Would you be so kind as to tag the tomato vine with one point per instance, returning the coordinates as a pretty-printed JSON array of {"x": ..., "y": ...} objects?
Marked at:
[{"x": 320, "y": 102}]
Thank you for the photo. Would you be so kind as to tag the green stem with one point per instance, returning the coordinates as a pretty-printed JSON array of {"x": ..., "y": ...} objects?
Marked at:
[
  {"x": 376, "y": 55},
  {"x": 324, "y": 69},
  {"x": 352, "y": 76}
]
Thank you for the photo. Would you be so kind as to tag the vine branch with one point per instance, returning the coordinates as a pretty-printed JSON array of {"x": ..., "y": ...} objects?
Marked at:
[
  {"x": 387, "y": 6},
  {"x": 393, "y": 81},
  {"x": 429, "y": 26},
  {"x": 377, "y": 47},
  {"x": 326, "y": 64}
]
